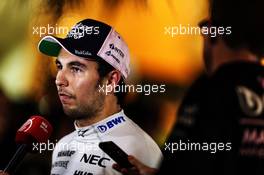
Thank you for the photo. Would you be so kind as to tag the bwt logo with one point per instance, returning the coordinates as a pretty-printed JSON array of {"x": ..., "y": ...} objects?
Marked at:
[
  {"x": 110, "y": 124},
  {"x": 108, "y": 53}
]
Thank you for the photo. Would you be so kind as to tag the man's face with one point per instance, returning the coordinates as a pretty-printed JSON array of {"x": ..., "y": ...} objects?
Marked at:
[{"x": 77, "y": 82}]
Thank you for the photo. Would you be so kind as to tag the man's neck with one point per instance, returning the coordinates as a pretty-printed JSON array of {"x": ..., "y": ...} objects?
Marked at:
[
  {"x": 110, "y": 107},
  {"x": 223, "y": 54}
]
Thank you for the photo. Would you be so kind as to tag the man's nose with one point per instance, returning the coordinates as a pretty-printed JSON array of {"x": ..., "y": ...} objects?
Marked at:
[{"x": 61, "y": 79}]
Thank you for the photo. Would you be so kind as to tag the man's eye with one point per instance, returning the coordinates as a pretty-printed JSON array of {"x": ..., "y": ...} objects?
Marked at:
[
  {"x": 59, "y": 67},
  {"x": 75, "y": 69}
]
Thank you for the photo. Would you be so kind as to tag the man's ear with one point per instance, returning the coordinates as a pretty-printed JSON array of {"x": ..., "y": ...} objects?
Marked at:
[{"x": 113, "y": 79}]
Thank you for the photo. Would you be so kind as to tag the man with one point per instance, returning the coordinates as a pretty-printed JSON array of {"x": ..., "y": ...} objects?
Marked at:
[
  {"x": 91, "y": 61},
  {"x": 220, "y": 125}
]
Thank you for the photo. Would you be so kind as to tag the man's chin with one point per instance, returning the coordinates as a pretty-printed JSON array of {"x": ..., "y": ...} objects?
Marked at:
[
  {"x": 73, "y": 114},
  {"x": 69, "y": 112}
]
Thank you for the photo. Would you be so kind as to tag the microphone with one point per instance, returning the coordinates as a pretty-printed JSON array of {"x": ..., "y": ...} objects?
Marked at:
[{"x": 35, "y": 129}]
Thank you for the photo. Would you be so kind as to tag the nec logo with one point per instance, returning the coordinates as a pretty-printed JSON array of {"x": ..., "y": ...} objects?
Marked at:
[
  {"x": 94, "y": 160},
  {"x": 110, "y": 124}
]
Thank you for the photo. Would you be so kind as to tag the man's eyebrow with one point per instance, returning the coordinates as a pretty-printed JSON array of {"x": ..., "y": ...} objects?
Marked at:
[
  {"x": 72, "y": 63},
  {"x": 76, "y": 63}
]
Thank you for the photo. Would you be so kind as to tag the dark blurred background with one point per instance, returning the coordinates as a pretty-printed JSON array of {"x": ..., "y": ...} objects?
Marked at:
[{"x": 27, "y": 77}]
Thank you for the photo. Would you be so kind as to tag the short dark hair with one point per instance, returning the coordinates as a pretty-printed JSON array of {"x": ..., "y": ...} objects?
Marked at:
[
  {"x": 246, "y": 20},
  {"x": 103, "y": 69}
]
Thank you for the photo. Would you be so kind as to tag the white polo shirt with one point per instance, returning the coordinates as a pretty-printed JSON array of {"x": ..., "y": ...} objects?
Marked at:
[{"x": 78, "y": 153}]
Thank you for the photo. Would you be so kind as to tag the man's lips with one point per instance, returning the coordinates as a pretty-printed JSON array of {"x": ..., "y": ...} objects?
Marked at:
[{"x": 65, "y": 97}]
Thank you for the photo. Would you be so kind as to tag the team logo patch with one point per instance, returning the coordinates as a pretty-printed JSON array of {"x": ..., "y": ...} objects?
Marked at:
[{"x": 251, "y": 103}]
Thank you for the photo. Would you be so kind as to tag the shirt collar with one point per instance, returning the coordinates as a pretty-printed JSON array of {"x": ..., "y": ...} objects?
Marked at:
[{"x": 103, "y": 126}]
